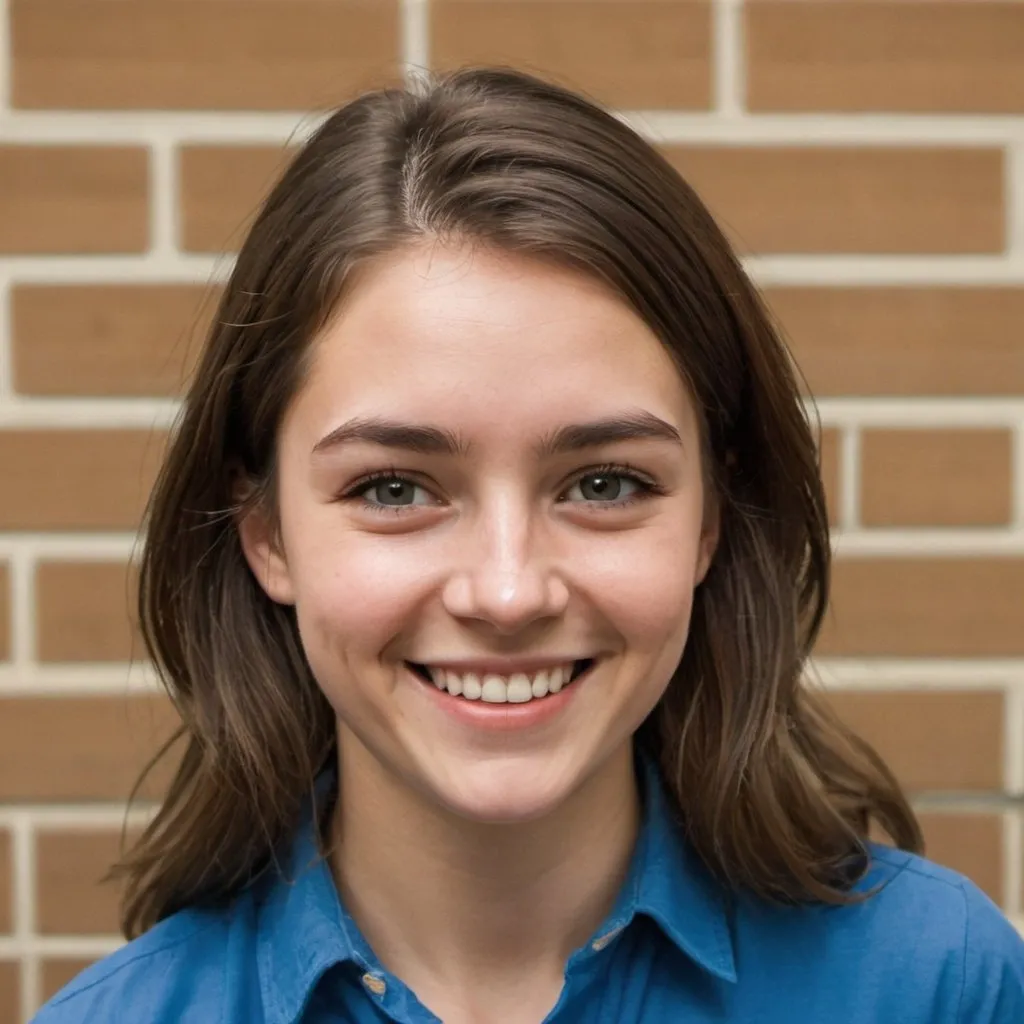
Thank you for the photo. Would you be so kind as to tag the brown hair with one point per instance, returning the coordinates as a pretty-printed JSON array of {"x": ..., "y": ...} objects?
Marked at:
[{"x": 775, "y": 793}]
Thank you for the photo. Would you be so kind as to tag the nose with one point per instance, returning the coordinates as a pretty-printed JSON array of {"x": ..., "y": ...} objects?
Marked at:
[{"x": 505, "y": 576}]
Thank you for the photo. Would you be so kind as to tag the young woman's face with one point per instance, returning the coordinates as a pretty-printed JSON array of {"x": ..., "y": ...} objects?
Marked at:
[{"x": 536, "y": 508}]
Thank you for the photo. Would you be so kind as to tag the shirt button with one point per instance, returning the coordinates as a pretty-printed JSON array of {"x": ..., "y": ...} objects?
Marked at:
[
  {"x": 598, "y": 944},
  {"x": 377, "y": 985}
]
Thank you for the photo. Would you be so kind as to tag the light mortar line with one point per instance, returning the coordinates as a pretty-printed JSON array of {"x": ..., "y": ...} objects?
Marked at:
[
  {"x": 849, "y": 478},
  {"x": 727, "y": 57},
  {"x": 24, "y": 874},
  {"x": 1014, "y": 170},
  {"x": 415, "y": 41},
  {"x": 159, "y": 268},
  {"x": 62, "y": 681},
  {"x": 1014, "y": 740},
  {"x": 23, "y": 602},
  {"x": 5, "y": 61},
  {"x": 951, "y": 542},
  {"x": 169, "y": 128},
  {"x": 921, "y": 673},
  {"x": 885, "y": 411},
  {"x": 883, "y": 270},
  {"x": 823, "y": 129},
  {"x": 98, "y": 413},
  {"x": 1013, "y": 852},
  {"x": 74, "y": 817},
  {"x": 6, "y": 343},
  {"x": 58, "y": 946},
  {"x": 1017, "y": 476},
  {"x": 163, "y": 185},
  {"x": 81, "y": 547}
]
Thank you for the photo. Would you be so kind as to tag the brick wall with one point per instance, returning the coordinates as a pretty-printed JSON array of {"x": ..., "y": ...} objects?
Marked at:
[{"x": 868, "y": 158}]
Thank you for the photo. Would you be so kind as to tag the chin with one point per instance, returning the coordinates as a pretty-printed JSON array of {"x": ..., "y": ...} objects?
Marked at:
[{"x": 504, "y": 791}]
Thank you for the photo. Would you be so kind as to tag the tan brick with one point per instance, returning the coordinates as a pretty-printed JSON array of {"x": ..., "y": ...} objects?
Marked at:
[
  {"x": 925, "y": 607},
  {"x": 200, "y": 54},
  {"x": 630, "y": 54},
  {"x": 82, "y": 748},
  {"x": 905, "y": 341},
  {"x": 936, "y": 477},
  {"x": 76, "y": 479},
  {"x": 969, "y": 843},
  {"x": 942, "y": 57},
  {"x": 85, "y": 611},
  {"x": 819, "y": 199},
  {"x": 107, "y": 340},
  {"x": 10, "y": 992},
  {"x": 72, "y": 898},
  {"x": 56, "y": 973},
  {"x": 73, "y": 199},
  {"x": 830, "y": 472},
  {"x": 6, "y": 883},
  {"x": 932, "y": 740},
  {"x": 5, "y": 612},
  {"x": 221, "y": 191}
]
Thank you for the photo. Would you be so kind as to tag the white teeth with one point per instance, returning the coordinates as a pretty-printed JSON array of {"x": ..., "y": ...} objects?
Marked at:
[
  {"x": 453, "y": 682},
  {"x": 519, "y": 688},
  {"x": 495, "y": 690},
  {"x": 540, "y": 684}
]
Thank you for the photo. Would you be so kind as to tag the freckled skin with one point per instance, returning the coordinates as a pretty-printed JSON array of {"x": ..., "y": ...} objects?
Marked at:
[{"x": 499, "y": 553}]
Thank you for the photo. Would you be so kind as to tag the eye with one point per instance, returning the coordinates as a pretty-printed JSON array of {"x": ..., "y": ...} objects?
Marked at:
[
  {"x": 608, "y": 486},
  {"x": 389, "y": 491}
]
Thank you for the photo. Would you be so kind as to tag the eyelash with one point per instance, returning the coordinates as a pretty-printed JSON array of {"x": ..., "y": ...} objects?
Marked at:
[{"x": 647, "y": 488}]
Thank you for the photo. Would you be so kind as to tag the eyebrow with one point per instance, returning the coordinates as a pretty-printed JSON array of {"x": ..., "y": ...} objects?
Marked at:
[{"x": 431, "y": 440}]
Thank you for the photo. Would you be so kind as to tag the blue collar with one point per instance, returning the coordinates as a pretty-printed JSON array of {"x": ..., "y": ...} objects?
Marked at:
[{"x": 304, "y": 930}]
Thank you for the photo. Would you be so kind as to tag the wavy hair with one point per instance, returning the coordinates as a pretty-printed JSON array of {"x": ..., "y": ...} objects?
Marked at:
[{"x": 775, "y": 793}]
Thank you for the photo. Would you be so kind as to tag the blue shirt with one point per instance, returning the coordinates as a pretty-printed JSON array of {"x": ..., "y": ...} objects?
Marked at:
[{"x": 929, "y": 947}]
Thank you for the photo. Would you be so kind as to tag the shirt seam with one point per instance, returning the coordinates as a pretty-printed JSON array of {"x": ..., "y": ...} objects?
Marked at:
[
  {"x": 138, "y": 956},
  {"x": 963, "y": 979}
]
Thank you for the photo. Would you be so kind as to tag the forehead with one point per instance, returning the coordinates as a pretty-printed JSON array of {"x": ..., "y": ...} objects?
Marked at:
[{"x": 490, "y": 339}]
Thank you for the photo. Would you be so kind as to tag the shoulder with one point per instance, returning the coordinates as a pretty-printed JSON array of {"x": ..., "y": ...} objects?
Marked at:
[
  {"x": 951, "y": 925},
  {"x": 180, "y": 970}
]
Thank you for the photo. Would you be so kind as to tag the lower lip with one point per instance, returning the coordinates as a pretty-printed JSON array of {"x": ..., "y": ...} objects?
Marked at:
[{"x": 505, "y": 717}]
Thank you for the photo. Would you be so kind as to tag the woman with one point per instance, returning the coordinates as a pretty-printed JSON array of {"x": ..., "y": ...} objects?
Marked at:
[{"x": 483, "y": 569}]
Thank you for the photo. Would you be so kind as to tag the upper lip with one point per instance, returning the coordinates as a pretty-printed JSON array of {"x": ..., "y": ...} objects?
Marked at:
[{"x": 501, "y": 666}]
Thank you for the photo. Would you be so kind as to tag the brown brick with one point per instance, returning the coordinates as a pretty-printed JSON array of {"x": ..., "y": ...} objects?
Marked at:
[
  {"x": 969, "y": 843},
  {"x": 76, "y": 479},
  {"x": 925, "y": 607},
  {"x": 936, "y": 477},
  {"x": 72, "y": 199},
  {"x": 72, "y": 898},
  {"x": 932, "y": 740},
  {"x": 200, "y": 54},
  {"x": 59, "y": 972},
  {"x": 905, "y": 341},
  {"x": 942, "y": 57},
  {"x": 630, "y": 54},
  {"x": 86, "y": 612},
  {"x": 6, "y": 883},
  {"x": 107, "y": 340},
  {"x": 82, "y": 748},
  {"x": 221, "y": 191},
  {"x": 830, "y": 472},
  {"x": 5, "y": 612},
  {"x": 819, "y": 199},
  {"x": 10, "y": 992}
]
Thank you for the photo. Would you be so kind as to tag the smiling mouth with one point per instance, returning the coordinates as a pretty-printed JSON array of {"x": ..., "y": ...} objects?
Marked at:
[{"x": 518, "y": 688}]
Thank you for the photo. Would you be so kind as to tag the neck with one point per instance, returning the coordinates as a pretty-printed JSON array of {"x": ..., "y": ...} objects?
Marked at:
[{"x": 443, "y": 899}]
